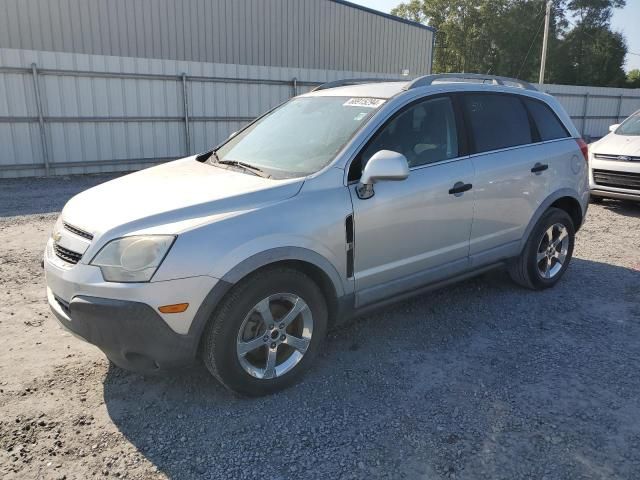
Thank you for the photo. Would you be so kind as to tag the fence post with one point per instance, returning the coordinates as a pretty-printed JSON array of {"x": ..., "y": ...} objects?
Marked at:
[
  {"x": 43, "y": 138},
  {"x": 185, "y": 101},
  {"x": 619, "y": 108},
  {"x": 584, "y": 113},
  {"x": 294, "y": 85}
]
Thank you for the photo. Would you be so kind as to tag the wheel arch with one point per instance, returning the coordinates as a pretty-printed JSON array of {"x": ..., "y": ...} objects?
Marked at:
[
  {"x": 316, "y": 274},
  {"x": 312, "y": 263},
  {"x": 564, "y": 199},
  {"x": 572, "y": 207},
  {"x": 317, "y": 267}
]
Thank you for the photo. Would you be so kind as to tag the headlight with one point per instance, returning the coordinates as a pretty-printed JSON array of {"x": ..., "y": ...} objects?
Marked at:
[
  {"x": 132, "y": 259},
  {"x": 57, "y": 227}
]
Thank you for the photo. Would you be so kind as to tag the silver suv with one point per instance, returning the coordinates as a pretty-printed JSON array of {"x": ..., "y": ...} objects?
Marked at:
[{"x": 338, "y": 201}]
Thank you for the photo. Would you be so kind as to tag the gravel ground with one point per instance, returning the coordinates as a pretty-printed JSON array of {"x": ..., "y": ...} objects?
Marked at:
[{"x": 480, "y": 380}]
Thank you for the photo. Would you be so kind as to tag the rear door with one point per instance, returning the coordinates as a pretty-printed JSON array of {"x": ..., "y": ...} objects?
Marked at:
[
  {"x": 511, "y": 175},
  {"x": 557, "y": 149}
]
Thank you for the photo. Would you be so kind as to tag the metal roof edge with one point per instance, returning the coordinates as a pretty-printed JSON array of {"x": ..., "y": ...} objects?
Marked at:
[{"x": 385, "y": 15}]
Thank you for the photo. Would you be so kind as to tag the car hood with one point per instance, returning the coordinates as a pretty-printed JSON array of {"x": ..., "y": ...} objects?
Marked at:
[
  {"x": 175, "y": 196},
  {"x": 618, "y": 145}
]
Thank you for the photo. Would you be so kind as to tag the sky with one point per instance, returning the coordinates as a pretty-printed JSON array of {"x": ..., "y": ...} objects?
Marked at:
[{"x": 625, "y": 20}]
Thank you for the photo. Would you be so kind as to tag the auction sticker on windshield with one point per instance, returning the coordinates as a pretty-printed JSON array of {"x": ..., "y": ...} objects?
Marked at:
[{"x": 364, "y": 102}]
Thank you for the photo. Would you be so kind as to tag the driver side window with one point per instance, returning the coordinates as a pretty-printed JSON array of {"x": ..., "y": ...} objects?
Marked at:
[{"x": 424, "y": 133}]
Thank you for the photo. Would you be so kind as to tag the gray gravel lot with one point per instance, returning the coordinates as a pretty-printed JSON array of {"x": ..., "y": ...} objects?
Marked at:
[{"x": 480, "y": 380}]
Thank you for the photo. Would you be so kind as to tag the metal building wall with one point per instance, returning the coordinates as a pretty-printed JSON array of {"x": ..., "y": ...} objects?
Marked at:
[
  {"x": 104, "y": 113},
  {"x": 312, "y": 34}
]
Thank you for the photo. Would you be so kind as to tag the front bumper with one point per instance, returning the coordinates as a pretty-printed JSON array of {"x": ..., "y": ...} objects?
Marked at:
[
  {"x": 131, "y": 334},
  {"x": 123, "y": 319},
  {"x": 617, "y": 194},
  {"x": 618, "y": 177}
]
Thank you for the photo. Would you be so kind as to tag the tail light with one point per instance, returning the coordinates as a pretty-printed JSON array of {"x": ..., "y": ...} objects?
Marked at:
[{"x": 584, "y": 148}]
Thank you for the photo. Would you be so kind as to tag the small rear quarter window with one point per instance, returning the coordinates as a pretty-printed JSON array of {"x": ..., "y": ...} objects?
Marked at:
[{"x": 549, "y": 126}]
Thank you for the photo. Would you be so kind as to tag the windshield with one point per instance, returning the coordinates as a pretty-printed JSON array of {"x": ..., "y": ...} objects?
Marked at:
[
  {"x": 300, "y": 137},
  {"x": 631, "y": 126}
]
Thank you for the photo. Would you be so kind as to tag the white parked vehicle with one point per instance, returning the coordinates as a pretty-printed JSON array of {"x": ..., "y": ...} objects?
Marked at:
[
  {"x": 338, "y": 201},
  {"x": 614, "y": 162}
]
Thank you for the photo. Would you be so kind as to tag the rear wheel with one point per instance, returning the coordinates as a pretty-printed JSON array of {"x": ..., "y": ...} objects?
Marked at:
[
  {"x": 266, "y": 332},
  {"x": 547, "y": 252}
]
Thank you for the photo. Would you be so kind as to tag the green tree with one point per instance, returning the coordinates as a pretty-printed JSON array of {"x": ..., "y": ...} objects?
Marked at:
[
  {"x": 504, "y": 37},
  {"x": 463, "y": 43},
  {"x": 633, "y": 79},
  {"x": 518, "y": 35},
  {"x": 595, "y": 13},
  {"x": 592, "y": 56},
  {"x": 496, "y": 36}
]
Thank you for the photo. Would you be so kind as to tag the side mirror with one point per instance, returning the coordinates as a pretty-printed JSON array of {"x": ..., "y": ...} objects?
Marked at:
[
  {"x": 613, "y": 128},
  {"x": 384, "y": 165}
]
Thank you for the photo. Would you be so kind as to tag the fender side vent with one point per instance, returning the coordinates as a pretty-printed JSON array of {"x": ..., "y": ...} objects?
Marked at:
[{"x": 348, "y": 224}]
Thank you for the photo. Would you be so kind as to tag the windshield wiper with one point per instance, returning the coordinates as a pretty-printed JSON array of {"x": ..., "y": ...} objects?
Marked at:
[{"x": 246, "y": 166}]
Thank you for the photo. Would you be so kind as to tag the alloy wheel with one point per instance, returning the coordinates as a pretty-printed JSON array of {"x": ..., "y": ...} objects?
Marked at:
[
  {"x": 274, "y": 336},
  {"x": 552, "y": 251}
]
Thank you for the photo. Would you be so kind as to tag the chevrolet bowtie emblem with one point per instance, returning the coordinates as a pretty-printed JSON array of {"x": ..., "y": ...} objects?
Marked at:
[{"x": 624, "y": 158}]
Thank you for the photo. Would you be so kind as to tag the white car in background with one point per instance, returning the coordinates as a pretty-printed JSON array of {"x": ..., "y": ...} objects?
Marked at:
[{"x": 614, "y": 162}]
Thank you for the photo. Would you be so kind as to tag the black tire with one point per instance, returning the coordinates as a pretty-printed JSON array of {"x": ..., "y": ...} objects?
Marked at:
[
  {"x": 221, "y": 334},
  {"x": 524, "y": 270}
]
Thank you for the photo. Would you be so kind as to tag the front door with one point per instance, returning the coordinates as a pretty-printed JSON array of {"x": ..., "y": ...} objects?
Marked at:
[{"x": 416, "y": 231}]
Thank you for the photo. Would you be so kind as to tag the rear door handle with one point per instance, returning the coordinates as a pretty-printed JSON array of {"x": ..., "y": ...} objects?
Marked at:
[
  {"x": 539, "y": 168},
  {"x": 459, "y": 188}
]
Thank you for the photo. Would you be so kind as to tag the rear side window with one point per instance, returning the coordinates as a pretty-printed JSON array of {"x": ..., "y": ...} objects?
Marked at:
[
  {"x": 549, "y": 126},
  {"x": 497, "y": 121}
]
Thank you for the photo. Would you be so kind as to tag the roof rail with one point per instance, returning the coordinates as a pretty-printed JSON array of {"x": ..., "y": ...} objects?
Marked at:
[
  {"x": 493, "y": 79},
  {"x": 354, "y": 81}
]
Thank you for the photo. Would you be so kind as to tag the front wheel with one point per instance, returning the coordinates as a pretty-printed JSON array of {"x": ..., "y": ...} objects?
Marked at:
[
  {"x": 547, "y": 253},
  {"x": 266, "y": 332}
]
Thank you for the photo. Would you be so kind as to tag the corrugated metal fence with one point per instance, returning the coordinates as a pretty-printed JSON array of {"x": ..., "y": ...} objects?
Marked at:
[
  {"x": 594, "y": 109},
  {"x": 63, "y": 113}
]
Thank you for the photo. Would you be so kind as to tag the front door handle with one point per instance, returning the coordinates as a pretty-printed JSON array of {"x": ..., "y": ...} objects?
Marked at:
[
  {"x": 459, "y": 188},
  {"x": 539, "y": 168}
]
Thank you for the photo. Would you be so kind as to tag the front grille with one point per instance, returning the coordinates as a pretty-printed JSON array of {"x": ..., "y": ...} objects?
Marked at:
[
  {"x": 77, "y": 231},
  {"x": 616, "y": 158},
  {"x": 609, "y": 178},
  {"x": 67, "y": 255}
]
